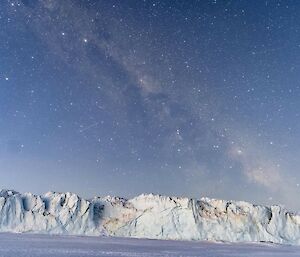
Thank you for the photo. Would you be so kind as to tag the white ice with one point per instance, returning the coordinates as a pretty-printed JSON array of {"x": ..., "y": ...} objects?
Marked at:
[{"x": 147, "y": 216}]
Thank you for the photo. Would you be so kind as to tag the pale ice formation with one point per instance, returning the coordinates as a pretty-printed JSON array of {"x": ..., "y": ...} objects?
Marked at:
[{"x": 147, "y": 216}]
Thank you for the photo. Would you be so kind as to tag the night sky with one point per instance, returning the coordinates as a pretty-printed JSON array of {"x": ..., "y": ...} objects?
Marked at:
[{"x": 185, "y": 98}]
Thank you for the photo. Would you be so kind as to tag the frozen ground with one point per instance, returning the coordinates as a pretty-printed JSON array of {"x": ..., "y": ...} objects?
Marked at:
[{"x": 21, "y": 245}]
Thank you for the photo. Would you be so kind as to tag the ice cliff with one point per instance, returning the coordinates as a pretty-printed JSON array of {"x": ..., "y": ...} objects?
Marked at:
[{"x": 147, "y": 216}]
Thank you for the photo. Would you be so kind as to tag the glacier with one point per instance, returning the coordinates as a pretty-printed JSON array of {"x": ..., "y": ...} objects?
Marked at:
[{"x": 147, "y": 216}]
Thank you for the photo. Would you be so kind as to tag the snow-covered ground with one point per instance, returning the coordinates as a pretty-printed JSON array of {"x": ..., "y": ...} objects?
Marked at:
[
  {"x": 147, "y": 216},
  {"x": 21, "y": 245}
]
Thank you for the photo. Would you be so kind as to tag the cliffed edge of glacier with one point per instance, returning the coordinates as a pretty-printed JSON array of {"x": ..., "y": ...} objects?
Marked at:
[{"x": 147, "y": 216}]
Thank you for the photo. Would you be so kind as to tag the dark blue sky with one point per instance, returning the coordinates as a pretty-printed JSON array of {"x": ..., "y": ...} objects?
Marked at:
[{"x": 193, "y": 98}]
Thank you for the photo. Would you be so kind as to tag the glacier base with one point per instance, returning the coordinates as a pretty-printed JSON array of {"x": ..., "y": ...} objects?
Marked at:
[{"x": 24, "y": 245}]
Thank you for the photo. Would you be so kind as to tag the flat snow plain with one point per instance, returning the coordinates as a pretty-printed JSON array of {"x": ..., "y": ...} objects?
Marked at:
[{"x": 21, "y": 245}]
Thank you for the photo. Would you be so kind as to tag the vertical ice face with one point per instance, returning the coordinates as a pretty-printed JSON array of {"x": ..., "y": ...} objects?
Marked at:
[{"x": 147, "y": 216}]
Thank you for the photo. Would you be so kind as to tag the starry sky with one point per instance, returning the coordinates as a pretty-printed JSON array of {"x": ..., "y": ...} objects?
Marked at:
[{"x": 185, "y": 98}]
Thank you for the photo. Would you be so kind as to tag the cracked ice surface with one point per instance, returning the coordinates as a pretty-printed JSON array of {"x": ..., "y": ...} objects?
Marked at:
[{"x": 24, "y": 245}]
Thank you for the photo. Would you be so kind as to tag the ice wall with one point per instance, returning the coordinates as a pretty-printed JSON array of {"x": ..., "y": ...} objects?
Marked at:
[{"x": 147, "y": 216}]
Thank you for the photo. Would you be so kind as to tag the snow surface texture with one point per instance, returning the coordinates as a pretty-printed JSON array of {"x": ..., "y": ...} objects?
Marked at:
[
  {"x": 24, "y": 245},
  {"x": 147, "y": 216}
]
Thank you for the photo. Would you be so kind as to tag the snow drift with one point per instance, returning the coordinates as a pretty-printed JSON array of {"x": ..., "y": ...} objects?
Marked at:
[{"x": 147, "y": 216}]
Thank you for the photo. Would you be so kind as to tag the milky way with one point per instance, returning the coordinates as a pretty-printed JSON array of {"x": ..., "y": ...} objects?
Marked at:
[{"x": 193, "y": 98}]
